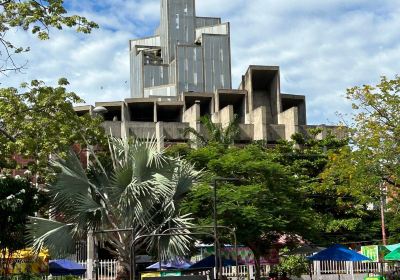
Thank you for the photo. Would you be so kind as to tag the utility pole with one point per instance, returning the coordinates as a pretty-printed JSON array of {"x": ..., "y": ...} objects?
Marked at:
[{"x": 383, "y": 204}]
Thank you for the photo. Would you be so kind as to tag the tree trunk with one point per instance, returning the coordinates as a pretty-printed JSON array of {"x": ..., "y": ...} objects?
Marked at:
[
  {"x": 257, "y": 264},
  {"x": 122, "y": 272}
]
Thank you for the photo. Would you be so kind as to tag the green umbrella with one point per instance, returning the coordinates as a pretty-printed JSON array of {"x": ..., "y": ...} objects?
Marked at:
[{"x": 393, "y": 256}]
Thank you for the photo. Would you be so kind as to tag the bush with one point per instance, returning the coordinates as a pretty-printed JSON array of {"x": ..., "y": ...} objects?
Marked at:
[{"x": 292, "y": 265}]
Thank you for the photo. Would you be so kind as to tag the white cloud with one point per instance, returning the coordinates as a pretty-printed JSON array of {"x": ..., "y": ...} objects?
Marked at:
[{"x": 323, "y": 47}]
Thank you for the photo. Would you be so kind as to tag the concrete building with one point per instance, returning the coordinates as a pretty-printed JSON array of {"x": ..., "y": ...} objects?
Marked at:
[{"x": 183, "y": 72}]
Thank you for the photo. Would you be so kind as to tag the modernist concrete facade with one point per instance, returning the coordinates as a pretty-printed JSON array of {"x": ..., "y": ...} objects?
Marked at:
[{"x": 183, "y": 72}]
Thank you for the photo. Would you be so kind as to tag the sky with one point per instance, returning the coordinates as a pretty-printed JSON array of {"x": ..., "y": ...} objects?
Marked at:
[{"x": 322, "y": 47}]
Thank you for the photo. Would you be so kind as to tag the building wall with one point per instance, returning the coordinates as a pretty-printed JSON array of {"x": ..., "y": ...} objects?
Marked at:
[
  {"x": 155, "y": 75},
  {"x": 178, "y": 19},
  {"x": 217, "y": 72},
  {"x": 136, "y": 74},
  {"x": 189, "y": 63},
  {"x": 207, "y": 21}
]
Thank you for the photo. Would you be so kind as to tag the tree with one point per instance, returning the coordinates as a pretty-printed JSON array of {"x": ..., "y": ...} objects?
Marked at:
[
  {"x": 371, "y": 163},
  {"x": 18, "y": 199},
  {"x": 142, "y": 191},
  {"x": 40, "y": 122},
  {"x": 288, "y": 189},
  {"x": 376, "y": 129},
  {"x": 263, "y": 207},
  {"x": 215, "y": 133},
  {"x": 343, "y": 207},
  {"x": 35, "y": 16}
]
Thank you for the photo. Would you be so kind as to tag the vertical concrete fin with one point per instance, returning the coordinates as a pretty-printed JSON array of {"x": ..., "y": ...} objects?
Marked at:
[
  {"x": 160, "y": 135},
  {"x": 290, "y": 118},
  {"x": 260, "y": 123}
]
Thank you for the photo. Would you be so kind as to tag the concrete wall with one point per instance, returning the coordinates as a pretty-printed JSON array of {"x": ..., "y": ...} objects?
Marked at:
[
  {"x": 290, "y": 118},
  {"x": 175, "y": 131},
  {"x": 113, "y": 128},
  {"x": 260, "y": 123},
  {"x": 141, "y": 130},
  {"x": 224, "y": 116}
]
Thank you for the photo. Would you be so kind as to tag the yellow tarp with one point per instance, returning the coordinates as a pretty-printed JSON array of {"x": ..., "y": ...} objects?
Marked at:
[
  {"x": 24, "y": 261},
  {"x": 150, "y": 274}
]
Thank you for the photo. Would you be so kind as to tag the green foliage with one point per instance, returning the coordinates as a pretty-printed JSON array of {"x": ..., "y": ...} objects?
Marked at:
[
  {"x": 265, "y": 204},
  {"x": 357, "y": 172},
  {"x": 179, "y": 150},
  {"x": 341, "y": 205},
  {"x": 142, "y": 191},
  {"x": 18, "y": 199},
  {"x": 41, "y": 121},
  {"x": 292, "y": 266},
  {"x": 214, "y": 133},
  {"x": 38, "y": 17},
  {"x": 376, "y": 130}
]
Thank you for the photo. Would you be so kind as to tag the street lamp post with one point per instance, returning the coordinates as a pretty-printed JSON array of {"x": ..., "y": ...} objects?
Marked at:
[{"x": 218, "y": 265}]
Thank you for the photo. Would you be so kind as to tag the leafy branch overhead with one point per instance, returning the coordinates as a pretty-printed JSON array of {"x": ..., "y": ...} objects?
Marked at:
[
  {"x": 37, "y": 17},
  {"x": 41, "y": 121}
]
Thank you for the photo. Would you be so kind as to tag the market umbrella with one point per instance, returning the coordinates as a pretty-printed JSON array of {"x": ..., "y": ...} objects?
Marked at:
[
  {"x": 177, "y": 264},
  {"x": 209, "y": 262},
  {"x": 339, "y": 253},
  {"x": 393, "y": 256},
  {"x": 393, "y": 247},
  {"x": 65, "y": 267}
]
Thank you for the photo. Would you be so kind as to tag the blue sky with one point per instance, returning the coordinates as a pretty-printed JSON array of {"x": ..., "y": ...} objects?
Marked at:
[{"x": 322, "y": 47}]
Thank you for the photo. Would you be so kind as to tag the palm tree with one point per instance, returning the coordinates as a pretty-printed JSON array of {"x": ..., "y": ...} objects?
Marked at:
[
  {"x": 214, "y": 132},
  {"x": 142, "y": 190}
]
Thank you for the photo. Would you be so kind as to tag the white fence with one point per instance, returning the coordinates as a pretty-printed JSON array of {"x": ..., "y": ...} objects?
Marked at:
[
  {"x": 107, "y": 269},
  {"x": 336, "y": 267}
]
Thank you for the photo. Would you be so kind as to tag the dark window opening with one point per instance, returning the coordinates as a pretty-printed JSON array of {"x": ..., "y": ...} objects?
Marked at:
[
  {"x": 141, "y": 112},
  {"x": 169, "y": 113}
]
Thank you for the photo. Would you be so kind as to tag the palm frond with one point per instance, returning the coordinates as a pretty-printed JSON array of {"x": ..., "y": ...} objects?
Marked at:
[
  {"x": 176, "y": 245},
  {"x": 232, "y": 131},
  {"x": 184, "y": 177},
  {"x": 52, "y": 235},
  {"x": 200, "y": 140}
]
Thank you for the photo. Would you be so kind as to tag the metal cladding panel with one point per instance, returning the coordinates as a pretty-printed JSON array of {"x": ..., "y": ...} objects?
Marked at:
[
  {"x": 136, "y": 74},
  {"x": 168, "y": 90},
  {"x": 155, "y": 75},
  {"x": 172, "y": 72},
  {"x": 217, "y": 64},
  {"x": 177, "y": 26},
  {"x": 220, "y": 29},
  {"x": 154, "y": 41},
  {"x": 207, "y": 21},
  {"x": 189, "y": 63}
]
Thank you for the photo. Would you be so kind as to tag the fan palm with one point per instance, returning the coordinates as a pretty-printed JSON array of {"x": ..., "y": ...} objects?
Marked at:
[
  {"x": 142, "y": 191},
  {"x": 214, "y": 132}
]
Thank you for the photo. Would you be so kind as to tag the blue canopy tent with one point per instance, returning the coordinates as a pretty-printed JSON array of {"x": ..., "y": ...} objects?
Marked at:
[
  {"x": 177, "y": 264},
  {"x": 209, "y": 262},
  {"x": 65, "y": 267},
  {"x": 339, "y": 253}
]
